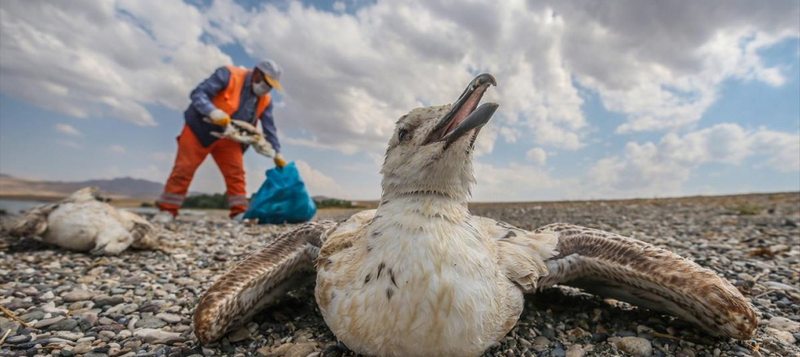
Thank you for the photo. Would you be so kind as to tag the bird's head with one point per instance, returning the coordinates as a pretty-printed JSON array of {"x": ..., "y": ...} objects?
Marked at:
[{"x": 430, "y": 152}]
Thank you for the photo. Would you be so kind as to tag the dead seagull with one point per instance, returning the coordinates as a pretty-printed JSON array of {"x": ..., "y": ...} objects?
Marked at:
[
  {"x": 84, "y": 222},
  {"x": 421, "y": 276},
  {"x": 245, "y": 133}
]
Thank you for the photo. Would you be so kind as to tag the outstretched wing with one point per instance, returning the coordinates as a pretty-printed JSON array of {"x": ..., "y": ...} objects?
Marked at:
[
  {"x": 258, "y": 280},
  {"x": 637, "y": 272}
]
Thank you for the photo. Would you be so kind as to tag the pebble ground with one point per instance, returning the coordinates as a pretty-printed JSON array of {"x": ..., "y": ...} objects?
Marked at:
[{"x": 140, "y": 302}]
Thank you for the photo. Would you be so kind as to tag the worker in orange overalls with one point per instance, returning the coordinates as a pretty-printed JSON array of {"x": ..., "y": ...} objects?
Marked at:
[{"x": 230, "y": 92}]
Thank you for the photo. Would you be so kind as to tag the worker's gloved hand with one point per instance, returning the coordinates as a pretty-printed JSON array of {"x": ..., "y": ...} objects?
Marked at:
[
  {"x": 279, "y": 161},
  {"x": 218, "y": 117}
]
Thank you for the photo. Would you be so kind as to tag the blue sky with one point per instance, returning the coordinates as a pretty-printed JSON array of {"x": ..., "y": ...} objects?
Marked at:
[{"x": 630, "y": 100}]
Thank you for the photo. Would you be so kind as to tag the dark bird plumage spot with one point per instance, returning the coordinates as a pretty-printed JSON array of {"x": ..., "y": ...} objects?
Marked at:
[
  {"x": 391, "y": 276},
  {"x": 367, "y": 279},
  {"x": 380, "y": 269},
  {"x": 389, "y": 293},
  {"x": 510, "y": 234}
]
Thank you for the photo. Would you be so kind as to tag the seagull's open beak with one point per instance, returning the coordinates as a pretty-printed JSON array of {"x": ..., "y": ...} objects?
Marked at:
[{"x": 463, "y": 115}]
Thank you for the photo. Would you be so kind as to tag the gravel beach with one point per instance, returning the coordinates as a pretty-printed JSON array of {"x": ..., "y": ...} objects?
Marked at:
[{"x": 140, "y": 302}]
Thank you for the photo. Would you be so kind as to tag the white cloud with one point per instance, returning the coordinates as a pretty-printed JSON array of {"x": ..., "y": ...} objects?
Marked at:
[
  {"x": 117, "y": 149},
  {"x": 516, "y": 182},
  {"x": 510, "y": 135},
  {"x": 67, "y": 129},
  {"x": 537, "y": 155},
  {"x": 107, "y": 58},
  {"x": 651, "y": 169},
  {"x": 682, "y": 54},
  {"x": 660, "y": 64},
  {"x": 163, "y": 156},
  {"x": 339, "y": 6},
  {"x": 317, "y": 182},
  {"x": 70, "y": 144}
]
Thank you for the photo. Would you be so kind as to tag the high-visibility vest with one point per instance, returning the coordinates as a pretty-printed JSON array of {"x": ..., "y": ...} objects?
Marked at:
[{"x": 228, "y": 99}]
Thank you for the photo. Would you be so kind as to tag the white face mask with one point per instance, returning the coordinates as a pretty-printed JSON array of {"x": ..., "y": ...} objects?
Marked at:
[{"x": 260, "y": 88}]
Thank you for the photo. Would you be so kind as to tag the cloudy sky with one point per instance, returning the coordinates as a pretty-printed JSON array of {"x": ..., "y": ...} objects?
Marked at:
[{"x": 627, "y": 99}]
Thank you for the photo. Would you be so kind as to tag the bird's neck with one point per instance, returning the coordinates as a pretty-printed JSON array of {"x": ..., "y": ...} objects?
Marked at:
[{"x": 424, "y": 206}]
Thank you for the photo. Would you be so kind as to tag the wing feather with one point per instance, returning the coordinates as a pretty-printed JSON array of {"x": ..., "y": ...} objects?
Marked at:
[
  {"x": 34, "y": 223},
  {"x": 258, "y": 280},
  {"x": 634, "y": 271}
]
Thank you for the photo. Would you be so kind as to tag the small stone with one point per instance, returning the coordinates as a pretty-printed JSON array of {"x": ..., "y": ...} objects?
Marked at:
[
  {"x": 525, "y": 343},
  {"x": 17, "y": 304},
  {"x": 33, "y": 315},
  {"x": 122, "y": 308},
  {"x": 18, "y": 339},
  {"x": 72, "y": 336},
  {"x": 578, "y": 350},
  {"x": 784, "y": 324},
  {"x": 104, "y": 300},
  {"x": 289, "y": 349},
  {"x": 64, "y": 325},
  {"x": 86, "y": 339},
  {"x": 95, "y": 354},
  {"x": 783, "y": 336},
  {"x": 107, "y": 335},
  {"x": 82, "y": 347},
  {"x": 540, "y": 343},
  {"x": 150, "y": 307},
  {"x": 170, "y": 318},
  {"x": 150, "y": 322},
  {"x": 636, "y": 346},
  {"x": 77, "y": 295},
  {"x": 775, "y": 285},
  {"x": 558, "y": 352},
  {"x": 47, "y": 296},
  {"x": 9, "y": 325},
  {"x": 50, "y": 308},
  {"x": 151, "y": 335},
  {"x": 47, "y": 322}
]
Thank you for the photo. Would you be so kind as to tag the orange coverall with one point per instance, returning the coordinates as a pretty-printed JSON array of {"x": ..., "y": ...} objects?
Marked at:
[{"x": 227, "y": 153}]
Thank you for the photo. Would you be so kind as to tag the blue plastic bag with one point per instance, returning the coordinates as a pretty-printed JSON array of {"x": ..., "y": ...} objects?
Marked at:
[{"x": 282, "y": 198}]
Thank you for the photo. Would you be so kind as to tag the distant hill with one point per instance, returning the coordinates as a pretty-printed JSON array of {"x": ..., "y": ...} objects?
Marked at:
[{"x": 126, "y": 187}]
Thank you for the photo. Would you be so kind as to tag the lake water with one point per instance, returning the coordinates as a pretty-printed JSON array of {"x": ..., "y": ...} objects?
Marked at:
[{"x": 15, "y": 206}]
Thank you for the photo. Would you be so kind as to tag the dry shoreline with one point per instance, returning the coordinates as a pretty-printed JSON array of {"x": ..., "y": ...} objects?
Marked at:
[{"x": 104, "y": 305}]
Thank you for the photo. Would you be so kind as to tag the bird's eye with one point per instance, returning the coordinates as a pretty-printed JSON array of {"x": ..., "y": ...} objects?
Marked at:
[{"x": 403, "y": 135}]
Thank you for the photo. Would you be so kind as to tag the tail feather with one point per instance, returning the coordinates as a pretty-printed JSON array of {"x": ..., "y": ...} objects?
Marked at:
[{"x": 637, "y": 272}]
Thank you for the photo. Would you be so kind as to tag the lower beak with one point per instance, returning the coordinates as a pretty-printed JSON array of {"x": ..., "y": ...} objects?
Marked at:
[
  {"x": 474, "y": 120},
  {"x": 463, "y": 115}
]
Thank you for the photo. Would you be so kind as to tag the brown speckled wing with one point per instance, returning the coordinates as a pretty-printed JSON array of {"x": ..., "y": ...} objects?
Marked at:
[
  {"x": 258, "y": 280},
  {"x": 637, "y": 272},
  {"x": 34, "y": 222}
]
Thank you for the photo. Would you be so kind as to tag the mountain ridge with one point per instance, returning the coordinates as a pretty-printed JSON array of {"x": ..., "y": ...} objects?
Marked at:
[{"x": 128, "y": 187}]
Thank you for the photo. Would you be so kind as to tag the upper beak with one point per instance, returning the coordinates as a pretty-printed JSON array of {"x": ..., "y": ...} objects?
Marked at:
[{"x": 463, "y": 115}]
